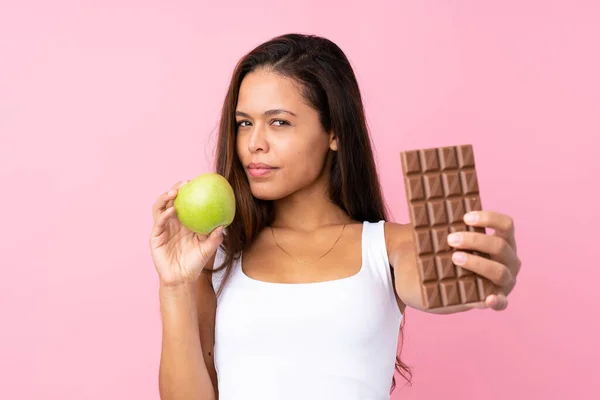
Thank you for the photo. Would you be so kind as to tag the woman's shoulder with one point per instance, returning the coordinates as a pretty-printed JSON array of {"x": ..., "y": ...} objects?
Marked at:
[
  {"x": 395, "y": 233},
  {"x": 397, "y": 236}
]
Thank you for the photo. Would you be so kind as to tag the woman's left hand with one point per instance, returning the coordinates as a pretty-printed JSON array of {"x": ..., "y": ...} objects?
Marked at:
[{"x": 503, "y": 266}]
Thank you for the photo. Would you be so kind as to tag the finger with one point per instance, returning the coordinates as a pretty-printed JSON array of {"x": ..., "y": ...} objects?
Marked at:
[
  {"x": 161, "y": 222},
  {"x": 495, "y": 246},
  {"x": 161, "y": 203},
  {"x": 175, "y": 189},
  {"x": 496, "y": 272},
  {"x": 497, "y": 302},
  {"x": 179, "y": 184},
  {"x": 209, "y": 246},
  {"x": 481, "y": 242},
  {"x": 165, "y": 200},
  {"x": 502, "y": 224}
]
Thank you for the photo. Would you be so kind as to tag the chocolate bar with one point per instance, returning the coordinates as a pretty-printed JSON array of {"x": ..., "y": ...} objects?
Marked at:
[{"x": 441, "y": 186}]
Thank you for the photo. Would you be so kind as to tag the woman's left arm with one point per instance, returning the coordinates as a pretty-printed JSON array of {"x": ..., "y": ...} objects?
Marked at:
[{"x": 501, "y": 268}]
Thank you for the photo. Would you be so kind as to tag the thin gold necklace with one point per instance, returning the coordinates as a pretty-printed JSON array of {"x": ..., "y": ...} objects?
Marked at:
[{"x": 308, "y": 262}]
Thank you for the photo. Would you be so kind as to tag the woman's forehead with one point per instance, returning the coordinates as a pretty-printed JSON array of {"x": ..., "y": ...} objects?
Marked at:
[{"x": 263, "y": 91}]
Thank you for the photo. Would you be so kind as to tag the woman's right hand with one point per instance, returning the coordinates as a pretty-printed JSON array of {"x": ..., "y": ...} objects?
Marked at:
[{"x": 179, "y": 254}]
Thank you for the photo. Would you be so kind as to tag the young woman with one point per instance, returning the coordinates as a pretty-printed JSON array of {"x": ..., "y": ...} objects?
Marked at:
[{"x": 303, "y": 295}]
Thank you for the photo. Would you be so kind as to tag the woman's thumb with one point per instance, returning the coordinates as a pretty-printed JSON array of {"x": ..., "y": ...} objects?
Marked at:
[
  {"x": 209, "y": 246},
  {"x": 214, "y": 239}
]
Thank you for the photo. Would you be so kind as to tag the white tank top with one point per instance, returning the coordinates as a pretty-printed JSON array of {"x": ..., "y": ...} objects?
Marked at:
[{"x": 327, "y": 340}]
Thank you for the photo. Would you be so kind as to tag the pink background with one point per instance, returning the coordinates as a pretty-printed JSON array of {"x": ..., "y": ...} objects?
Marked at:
[{"x": 103, "y": 105}]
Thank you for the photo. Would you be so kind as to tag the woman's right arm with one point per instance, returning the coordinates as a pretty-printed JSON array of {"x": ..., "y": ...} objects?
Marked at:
[
  {"x": 187, "y": 304},
  {"x": 187, "y": 365}
]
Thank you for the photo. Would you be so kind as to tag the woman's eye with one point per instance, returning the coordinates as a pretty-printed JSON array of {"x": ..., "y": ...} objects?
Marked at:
[
  {"x": 241, "y": 124},
  {"x": 280, "y": 122}
]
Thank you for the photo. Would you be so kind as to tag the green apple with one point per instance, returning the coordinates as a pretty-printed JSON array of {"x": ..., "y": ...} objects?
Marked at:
[{"x": 205, "y": 203}]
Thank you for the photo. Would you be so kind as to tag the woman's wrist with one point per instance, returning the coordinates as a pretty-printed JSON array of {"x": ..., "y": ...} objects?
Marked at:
[{"x": 177, "y": 290}]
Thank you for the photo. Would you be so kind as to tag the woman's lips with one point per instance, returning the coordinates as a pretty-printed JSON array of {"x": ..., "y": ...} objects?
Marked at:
[{"x": 260, "y": 169}]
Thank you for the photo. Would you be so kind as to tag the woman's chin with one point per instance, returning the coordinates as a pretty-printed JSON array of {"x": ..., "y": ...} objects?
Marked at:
[
  {"x": 266, "y": 192},
  {"x": 261, "y": 195}
]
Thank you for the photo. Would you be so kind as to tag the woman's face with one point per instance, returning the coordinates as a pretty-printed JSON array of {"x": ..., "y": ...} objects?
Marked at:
[{"x": 280, "y": 141}]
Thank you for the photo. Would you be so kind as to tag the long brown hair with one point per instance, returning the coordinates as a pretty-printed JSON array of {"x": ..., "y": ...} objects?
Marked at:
[{"x": 330, "y": 86}]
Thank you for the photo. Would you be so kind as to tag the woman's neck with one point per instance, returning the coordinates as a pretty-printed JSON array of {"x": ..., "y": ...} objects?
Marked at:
[{"x": 308, "y": 209}]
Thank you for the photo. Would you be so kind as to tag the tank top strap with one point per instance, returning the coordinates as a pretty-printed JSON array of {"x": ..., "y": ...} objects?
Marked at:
[
  {"x": 375, "y": 253},
  {"x": 217, "y": 277}
]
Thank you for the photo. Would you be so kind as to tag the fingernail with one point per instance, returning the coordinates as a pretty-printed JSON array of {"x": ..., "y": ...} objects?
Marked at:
[
  {"x": 454, "y": 239},
  {"x": 459, "y": 258},
  {"x": 471, "y": 218},
  {"x": 220, "y": 230}
]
